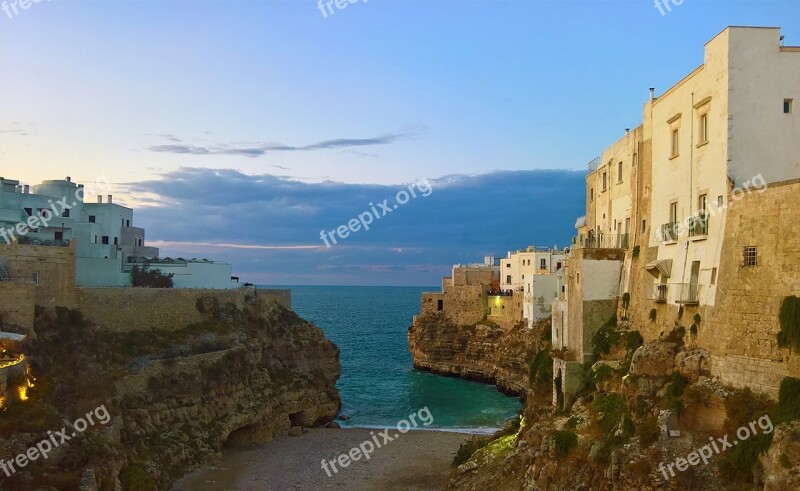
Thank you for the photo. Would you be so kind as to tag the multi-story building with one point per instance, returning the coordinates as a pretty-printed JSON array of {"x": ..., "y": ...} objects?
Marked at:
[
  {"x": 108, "y": 245},
  {"x": 696, "y": 206},
  {"x": 521, "y": 265}
]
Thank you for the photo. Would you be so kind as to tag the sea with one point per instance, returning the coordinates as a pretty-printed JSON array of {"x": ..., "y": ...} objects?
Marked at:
[{"x": 379, "y": 385}]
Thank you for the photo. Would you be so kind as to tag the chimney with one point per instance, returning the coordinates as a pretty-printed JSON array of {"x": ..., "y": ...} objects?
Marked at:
[
  {"x": 627, "y": 130},
  {"x": 26, "y": 189},
  {"x": 109, "y": 198},
  {"x": 99, "y": 198},
  {"x": 652, "y": 93},
  {"x": 69, "y": 179}
]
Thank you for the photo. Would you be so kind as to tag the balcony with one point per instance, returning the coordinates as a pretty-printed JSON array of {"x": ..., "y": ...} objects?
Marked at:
[
  {"x": 687, "y": 293},
  {"x": 698, "y": 226},
  {"x": 602, "y": 241},
  {"x": 659, "y": 293},
  {"x": 594, "y": 164},
  {"x": 669, "y": 232}
]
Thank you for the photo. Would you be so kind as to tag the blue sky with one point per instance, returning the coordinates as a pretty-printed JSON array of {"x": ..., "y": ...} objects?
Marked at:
[{"x": 276, "y": 104}]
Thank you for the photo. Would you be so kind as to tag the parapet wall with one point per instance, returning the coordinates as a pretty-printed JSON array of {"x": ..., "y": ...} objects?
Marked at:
[{"x": 136, "y": 309}]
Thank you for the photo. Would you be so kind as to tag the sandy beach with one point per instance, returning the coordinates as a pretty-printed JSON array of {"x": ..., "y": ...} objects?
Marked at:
[{"x": 417, "y": 460}]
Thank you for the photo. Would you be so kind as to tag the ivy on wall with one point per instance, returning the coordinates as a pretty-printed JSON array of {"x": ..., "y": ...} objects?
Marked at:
[{"x": 789, "y": 316}]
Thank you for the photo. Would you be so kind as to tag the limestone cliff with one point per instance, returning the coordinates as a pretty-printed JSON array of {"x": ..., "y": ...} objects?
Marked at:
[
  {"x": 484, "y": 352},
  {"x": 247, "y": 373}
]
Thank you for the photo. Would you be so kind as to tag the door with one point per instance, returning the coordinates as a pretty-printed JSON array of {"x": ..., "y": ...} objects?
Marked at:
[{"x": 694, "y": 278}]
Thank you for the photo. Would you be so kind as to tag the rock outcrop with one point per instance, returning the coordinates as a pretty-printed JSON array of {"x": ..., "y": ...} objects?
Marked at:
[
  {"x": 245, "y": 375},
  {"x": 484, "y": 352}
]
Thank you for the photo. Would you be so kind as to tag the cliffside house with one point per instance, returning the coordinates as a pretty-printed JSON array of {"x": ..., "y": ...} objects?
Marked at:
[
  {"x": 693, "y": 215},
  {"x": 108, "y": 244}
]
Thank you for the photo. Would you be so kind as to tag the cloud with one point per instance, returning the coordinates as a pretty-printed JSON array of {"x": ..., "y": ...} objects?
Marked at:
[
  {"x": 259, "y": 149},
  {"x": 269, "y": 226}
]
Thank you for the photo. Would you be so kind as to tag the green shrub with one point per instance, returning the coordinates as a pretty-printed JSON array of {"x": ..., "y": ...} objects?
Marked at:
[
  {"x": 626, "y": 300},
  {"x": 635, "y": 252},
  {"x": 610, "y": 408},
  {"x": 565, "y": 441},
  {"x": 573, "y": 422},
  {"x": 143, "y": 276},
  {"x": 648, "y": 431},
  {"x": 541, "y": 369},
  {"x": 468, "y": 449},
  {"x": 789, "y": 335},
  {"x": 784, "y": 461},
  {"x": 653, "y": 314},
  {"x": 605, "y": 338},
  {"x": 697, "y": 319},
  {"x": 135, "y": 478},
  {"x": 673, "y": 399},
  {"x": 633, "y": 340},
  {"x": 693, "y": 329},
  {"x": 789, "y": 399}
]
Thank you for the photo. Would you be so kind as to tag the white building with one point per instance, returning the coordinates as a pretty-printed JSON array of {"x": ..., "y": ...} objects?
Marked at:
[
  {"x": 108, "y": 245},
  {"x": 522, "y": 265}
]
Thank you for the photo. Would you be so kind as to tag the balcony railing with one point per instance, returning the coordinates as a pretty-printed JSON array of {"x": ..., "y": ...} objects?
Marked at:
[
  {"x": 594, "y": 164},
  {"x": 603, "y": 241},
  {"x": 687, "y": 293},
  {"x": 698, "y": 225},
  {"x": 659, "y": 293},
  {"x": 669, "y": 232}
]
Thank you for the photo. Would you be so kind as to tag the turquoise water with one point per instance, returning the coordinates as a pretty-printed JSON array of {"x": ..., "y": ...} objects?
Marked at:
[{"x": 379, "y": 385}]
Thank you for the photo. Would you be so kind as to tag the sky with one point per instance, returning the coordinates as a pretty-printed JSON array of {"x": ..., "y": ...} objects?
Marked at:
[{"x": 239, "y": 130}]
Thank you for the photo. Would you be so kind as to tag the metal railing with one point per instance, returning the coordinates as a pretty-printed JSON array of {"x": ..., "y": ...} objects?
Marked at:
[
  {"x": 602, "y": 241},
  {"x": 669, "y": 232},
  {"x": 659, "y": 293},
  {"x": 687, "y": 293},
  {"x": 698, "y": 225},
  {"x": 594, "y": 164}
]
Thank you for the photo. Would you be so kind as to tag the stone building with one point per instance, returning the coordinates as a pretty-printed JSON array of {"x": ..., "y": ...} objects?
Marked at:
[
  {"x": 697, "y": 206},
  {"x": 108, "y": 243}
]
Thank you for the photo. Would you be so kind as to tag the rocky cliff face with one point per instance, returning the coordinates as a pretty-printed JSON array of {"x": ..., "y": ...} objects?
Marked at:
[
  {"x": 175, "y": 397},
  {"x": 484, "y": 352}
]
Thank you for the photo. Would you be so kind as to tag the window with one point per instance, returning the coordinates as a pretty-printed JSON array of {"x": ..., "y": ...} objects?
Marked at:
[
  {"x": 713, "y": 276},
  {"x": 440, "y": 305},
  {"x": 702, "y": 204},
  {"x": 619, "y": 171},
  {"x": 65, "y": 213},
  {"x": 116, "y": 241},
  {"x": 508, "y": 265},
  {"x": 751, "y": 256},
  {"x": 635, "y": 159},
  {"x": 788, "y": 106},
  {"x": 719, "y": 201},
  {"x": 673, "y": 212},
  {"x": 703, "y": 130},
  {"x": 558, "y": 265},
  {"x": 59, "y": 236},
  {"x": 127, "y": 223},
  {"x": 605, "y": 180},
  {"x": 92, "y": 219},
  {"x": 543, "y": 264},
  {"x": 35, "y": 278},
  {"x": 95, "y": 239},
  {"x": 122, "y": 222},
  {"x": 591, "y": 194},
  {"x": 675, "y": 142},
  {"x": 644, "y": 226},
  {"x": 508, "y": 279},
  {"x": 29, "y": 211},
  {"x": 105, "y": 239}
]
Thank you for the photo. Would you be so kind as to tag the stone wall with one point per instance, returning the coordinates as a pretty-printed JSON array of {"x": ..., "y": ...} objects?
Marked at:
[
  {"x": 134, "y": 309},
  {"x": 741, "y": 332},
  {"x": 17, "y": 305},
  {"x": 55, "y": 266}
]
